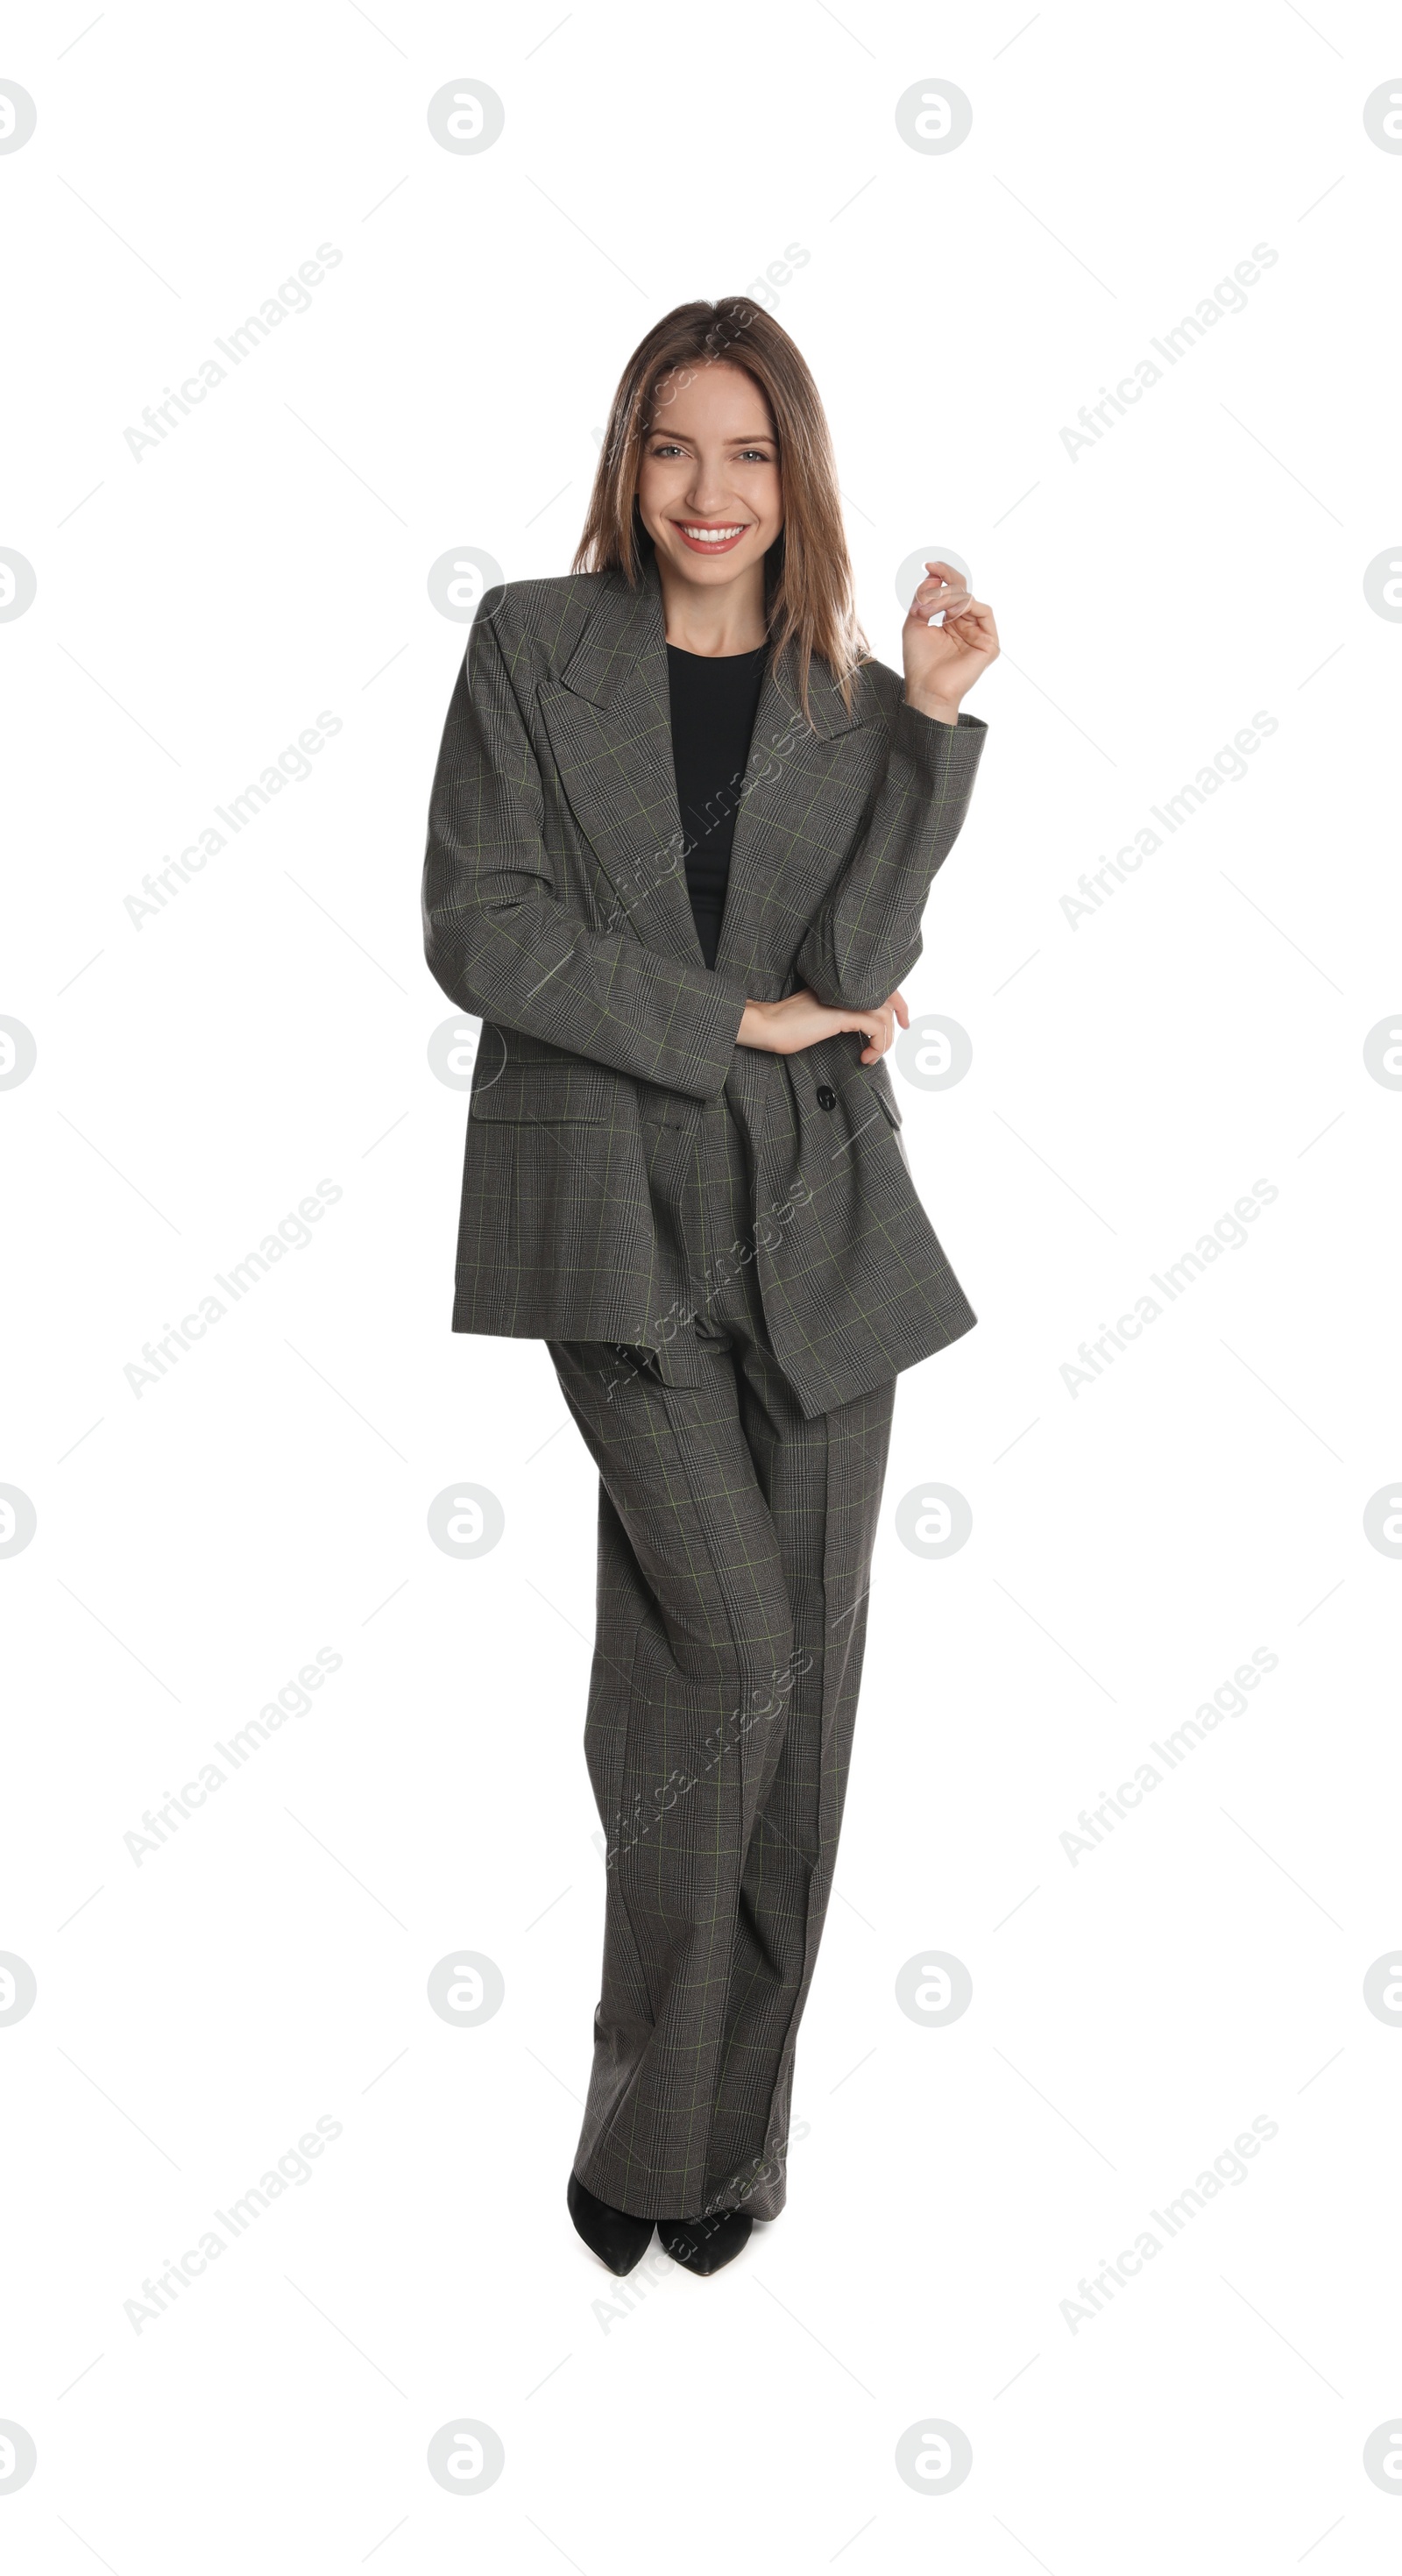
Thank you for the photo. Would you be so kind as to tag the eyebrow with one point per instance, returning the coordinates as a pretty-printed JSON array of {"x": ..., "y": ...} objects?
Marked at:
[{"x": 736, "y": 438}]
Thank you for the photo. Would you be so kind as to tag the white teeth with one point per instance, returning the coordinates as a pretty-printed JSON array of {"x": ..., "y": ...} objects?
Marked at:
[{"x": 712, "y": 536}]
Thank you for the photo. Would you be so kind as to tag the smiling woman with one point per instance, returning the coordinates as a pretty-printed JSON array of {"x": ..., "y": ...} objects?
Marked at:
[
  {"x": 691, "y": 468},
  {"x": 684, "y": 1174}
]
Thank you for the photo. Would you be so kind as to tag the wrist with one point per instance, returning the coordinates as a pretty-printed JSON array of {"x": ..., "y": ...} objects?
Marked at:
[
  {"x": 940, "y": 710},
  {"x": 751, "y": 1030}
]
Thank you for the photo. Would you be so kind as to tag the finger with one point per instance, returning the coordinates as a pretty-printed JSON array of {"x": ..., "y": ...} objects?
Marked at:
[
  {"x": 928, "y": 602},
  {"x": 949, "y": 572},
  {"x": 900, "y": 1006},
  {"x": 940, "y": 577},
  {"x": 953, "y": 588},
  {"x": 977, "y": 635},
  {"x": 975, "y": 615}
]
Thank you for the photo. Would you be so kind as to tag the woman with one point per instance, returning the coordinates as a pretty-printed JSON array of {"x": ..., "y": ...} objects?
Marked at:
[{"x": 682, "y": 833}]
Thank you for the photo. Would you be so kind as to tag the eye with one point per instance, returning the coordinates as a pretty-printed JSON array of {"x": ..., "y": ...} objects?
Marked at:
[
  {"x": 665, "y": 451},
  {"x": 756, "y": 455}
]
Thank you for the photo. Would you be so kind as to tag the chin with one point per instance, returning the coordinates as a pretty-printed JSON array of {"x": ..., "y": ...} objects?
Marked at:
[
  {"x": 726, "y": 564},
  {"x": 736, "y": 561}
]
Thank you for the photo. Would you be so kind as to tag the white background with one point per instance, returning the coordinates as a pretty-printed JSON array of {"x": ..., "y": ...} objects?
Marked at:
[{"x": 1132, "y": 1544}]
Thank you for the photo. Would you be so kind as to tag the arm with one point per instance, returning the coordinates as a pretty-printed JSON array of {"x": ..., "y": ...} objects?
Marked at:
[
  {"x": 867, "y": 936},
  {"x": 503, "y": 944}
]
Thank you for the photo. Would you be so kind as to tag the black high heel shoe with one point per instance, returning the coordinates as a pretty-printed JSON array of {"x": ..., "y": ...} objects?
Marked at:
[
  {"x": 705, "y": 2245},
  {"x": 619, "y": 2239}
]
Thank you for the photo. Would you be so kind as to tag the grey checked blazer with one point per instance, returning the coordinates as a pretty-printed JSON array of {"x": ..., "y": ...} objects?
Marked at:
[{"x": 556, "y": 908}]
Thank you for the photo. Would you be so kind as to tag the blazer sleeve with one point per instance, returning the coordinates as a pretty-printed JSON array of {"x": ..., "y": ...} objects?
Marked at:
[
  {"x": 499, "y": 935},
  {"x": 866, "y": 938}
]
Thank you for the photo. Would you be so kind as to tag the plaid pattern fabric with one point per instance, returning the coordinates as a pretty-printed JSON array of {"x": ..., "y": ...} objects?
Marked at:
[
  {"x": 555, "y": 908},
  {"x": 735, "y": 1539}
]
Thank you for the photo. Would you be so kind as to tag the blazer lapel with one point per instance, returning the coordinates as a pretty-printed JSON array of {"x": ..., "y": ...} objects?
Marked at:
[
  {"x": 609, "y": 719},
  {"x": 804, "y": 789}
]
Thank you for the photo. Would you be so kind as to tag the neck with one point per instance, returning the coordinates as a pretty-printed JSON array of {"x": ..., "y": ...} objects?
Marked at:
[{"x": 711, "y": 618}]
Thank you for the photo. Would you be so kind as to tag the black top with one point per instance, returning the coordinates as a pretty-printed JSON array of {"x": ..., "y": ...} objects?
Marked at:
[{"x": 714, "y": 697}]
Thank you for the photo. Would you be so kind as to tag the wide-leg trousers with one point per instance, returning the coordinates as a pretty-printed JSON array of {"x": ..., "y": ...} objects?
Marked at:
[{"x": 735, "y": 1542}]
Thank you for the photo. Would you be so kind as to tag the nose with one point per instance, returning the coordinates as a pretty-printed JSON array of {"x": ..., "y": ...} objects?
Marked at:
[{"x": 707, "y": 493}]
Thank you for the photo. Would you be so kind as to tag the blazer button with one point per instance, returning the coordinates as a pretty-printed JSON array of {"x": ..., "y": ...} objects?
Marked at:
[{"x": 827, "y": 1097}]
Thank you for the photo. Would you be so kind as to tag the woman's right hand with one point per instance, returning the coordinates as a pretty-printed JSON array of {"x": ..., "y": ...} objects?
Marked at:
[{"x": 787, "y": 1027}]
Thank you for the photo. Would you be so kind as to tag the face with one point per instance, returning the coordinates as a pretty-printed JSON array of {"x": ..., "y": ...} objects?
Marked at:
[{"x": 709, "y": 487}]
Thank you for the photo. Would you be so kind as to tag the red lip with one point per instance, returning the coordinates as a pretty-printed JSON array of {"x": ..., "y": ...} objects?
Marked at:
[{"x": 699, "y": 546}]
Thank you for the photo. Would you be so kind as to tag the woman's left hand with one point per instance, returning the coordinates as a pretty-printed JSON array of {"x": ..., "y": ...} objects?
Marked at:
[{"x": 942, "y": 662}]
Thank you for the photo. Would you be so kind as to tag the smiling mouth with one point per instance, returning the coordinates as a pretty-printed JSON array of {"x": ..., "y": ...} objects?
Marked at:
[{"x": 710, "y": 541}]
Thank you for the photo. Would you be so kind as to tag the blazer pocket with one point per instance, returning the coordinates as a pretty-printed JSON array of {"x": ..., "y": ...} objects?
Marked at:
[
  {"x": 892, "y": 1109},
  {"x": 880, "y": 1081},
  {"x": 524, "y": 1094}
]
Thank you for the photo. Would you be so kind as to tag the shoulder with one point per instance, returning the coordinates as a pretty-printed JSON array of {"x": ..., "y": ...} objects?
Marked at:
[
  {"x": 875, "y": 692},
  {"x": 542, "y": 621},
  {"x": 880, "y": 691}
]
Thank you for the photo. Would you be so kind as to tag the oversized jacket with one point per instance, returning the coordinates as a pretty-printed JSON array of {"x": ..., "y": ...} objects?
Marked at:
[{"x": 556, "y": 909}]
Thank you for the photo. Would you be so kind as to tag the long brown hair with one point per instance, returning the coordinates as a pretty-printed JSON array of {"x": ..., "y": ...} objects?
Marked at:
[{"x": 809, "y": 599}]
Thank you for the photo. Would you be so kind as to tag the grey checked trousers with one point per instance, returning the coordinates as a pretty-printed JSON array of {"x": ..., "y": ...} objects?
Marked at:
[{"x": 735, "y": 1542}]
